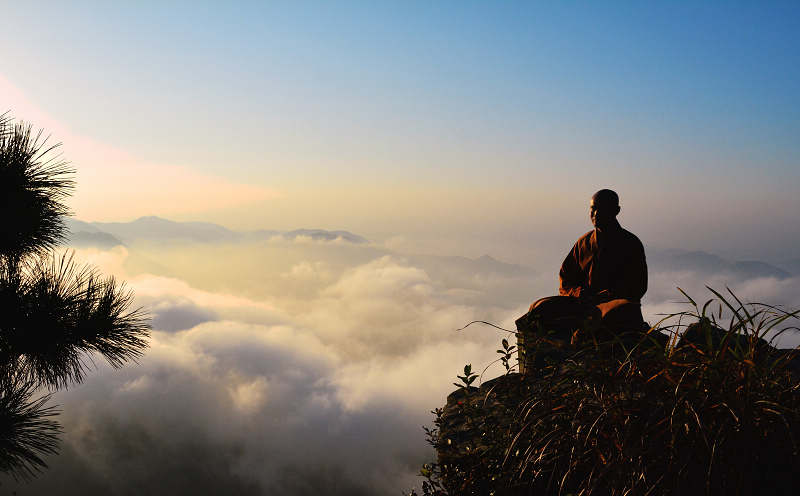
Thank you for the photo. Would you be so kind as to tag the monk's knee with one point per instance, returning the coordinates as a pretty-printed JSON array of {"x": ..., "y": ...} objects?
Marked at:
[{"x": 621, "y": 312}]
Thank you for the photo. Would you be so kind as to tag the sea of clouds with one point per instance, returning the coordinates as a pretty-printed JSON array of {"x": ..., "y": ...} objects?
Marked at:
[{"x": 298, "y": 366}]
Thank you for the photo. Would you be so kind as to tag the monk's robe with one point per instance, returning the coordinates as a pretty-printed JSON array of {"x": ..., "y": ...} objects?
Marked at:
[
  {"x": 603, "y": 277},
  {"x": 605, "y": 266}
]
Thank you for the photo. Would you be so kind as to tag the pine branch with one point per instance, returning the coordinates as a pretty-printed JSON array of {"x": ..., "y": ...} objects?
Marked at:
[
  {"x": 27, "y": 431},
  {"x": 34, "y": 181},
  {"x": 58, "y": 314}
]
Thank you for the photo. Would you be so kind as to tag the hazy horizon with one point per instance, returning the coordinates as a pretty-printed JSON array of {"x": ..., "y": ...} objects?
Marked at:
[
  {"x": 286, "y": 365},
  {"x": 467, "y": 126}
]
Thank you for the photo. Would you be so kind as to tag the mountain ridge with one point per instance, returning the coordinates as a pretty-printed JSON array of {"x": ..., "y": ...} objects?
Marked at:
[
  {"x": 702, "y": 262},
  {"x": 153, "y": 228},
  {"x": 160, "y": 229}
]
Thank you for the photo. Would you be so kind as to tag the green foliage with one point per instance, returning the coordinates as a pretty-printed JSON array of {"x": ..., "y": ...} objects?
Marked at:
[
  {"x": 618, "y": 415},
  {"x": 34, "y": 181},
  {"x": 432, "y": 472},
  {"x": 467, "y": 379},
  {"x": 54, "y": 315},
  {"x": 27, "y": 430},
  {"x": 506, "y": 353}
]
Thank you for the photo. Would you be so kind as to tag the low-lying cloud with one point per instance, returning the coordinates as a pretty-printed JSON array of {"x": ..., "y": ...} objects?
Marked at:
[{"x": 313, "y": 375}]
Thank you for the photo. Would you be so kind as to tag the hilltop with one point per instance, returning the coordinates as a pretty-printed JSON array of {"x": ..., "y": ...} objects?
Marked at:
[{"x": 716, "y": 411}]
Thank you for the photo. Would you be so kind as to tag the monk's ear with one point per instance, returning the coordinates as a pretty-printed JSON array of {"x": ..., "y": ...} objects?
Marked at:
[{"x": 618, "y": 208}]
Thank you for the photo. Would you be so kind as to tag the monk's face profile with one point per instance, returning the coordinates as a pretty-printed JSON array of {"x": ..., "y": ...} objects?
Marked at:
[{"x": 603, "y": 208}]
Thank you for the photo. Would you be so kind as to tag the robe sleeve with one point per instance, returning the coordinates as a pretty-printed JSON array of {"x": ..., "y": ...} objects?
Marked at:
[
  {"x": 636, "y": 277},
  {"x": 571, "y": 277}
]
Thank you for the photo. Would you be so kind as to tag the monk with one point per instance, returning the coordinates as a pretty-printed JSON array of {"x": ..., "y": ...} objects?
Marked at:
[
  {"x": 603, "y": 277},
  {"x": 608, "y": 262}
]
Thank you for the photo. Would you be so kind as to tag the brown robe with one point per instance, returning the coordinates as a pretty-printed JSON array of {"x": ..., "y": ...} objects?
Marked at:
[
  {"x": 605, "y": 266},
  {"x": 604, "y": 276}
]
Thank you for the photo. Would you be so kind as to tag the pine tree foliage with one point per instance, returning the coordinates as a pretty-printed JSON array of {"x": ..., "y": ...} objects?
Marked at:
[
  {"x": 34, "y": 181},
  {"x": 55, "y": 315},
  {"x": 27, "y": 429}
]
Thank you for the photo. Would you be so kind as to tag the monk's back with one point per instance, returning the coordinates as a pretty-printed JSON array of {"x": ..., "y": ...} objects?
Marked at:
[{"x": 614, "y": 262}]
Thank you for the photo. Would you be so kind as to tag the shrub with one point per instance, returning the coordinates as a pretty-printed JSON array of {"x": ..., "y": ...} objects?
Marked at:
[{"x": 627, "y": 415}]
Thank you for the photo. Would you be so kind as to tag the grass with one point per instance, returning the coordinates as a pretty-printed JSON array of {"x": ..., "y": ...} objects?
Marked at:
[{"x": 715, "y": 412}]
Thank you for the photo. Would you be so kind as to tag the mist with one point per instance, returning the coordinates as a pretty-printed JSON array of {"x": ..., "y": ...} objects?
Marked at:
[{"x": 294, "y": 365}]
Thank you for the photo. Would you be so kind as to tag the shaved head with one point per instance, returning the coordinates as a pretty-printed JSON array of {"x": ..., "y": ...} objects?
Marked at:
[
  {"x": 603, "y": 208},
  {"x": 606, "y": 197}
]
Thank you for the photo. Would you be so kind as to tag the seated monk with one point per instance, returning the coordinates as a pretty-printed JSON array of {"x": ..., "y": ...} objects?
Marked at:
[{"x": 604, "y": 276}]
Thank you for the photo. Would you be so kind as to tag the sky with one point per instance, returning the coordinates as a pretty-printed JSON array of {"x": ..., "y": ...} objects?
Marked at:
[
  {"x": 435, "y": 130},
  {"x": 469, "y": 120}
]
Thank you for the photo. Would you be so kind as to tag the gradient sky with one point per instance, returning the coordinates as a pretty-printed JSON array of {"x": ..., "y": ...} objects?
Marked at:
[
  {"x": 483, "y": 123},
  {"x": 303, "y": 367}
]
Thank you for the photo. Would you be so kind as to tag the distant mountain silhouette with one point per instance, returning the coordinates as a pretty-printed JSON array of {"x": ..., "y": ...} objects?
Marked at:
[
  {"x": 82, "y": 234},
  {"x": 109, "y": 234},
  {"x": 315, "y": 234},
  {"x": 105, "y": 234},
  {"x": 483, "y": 265},
  {"x": 163, "y": 229},
  {"x": 75, "y": 225},
  {"x": 792, "y": 266},
  {"x": 98, "y": 239},
  {"x": 752, "y": 268},
  {"x": 323, "y": 235},
  {"x": 701, "y": 262}
]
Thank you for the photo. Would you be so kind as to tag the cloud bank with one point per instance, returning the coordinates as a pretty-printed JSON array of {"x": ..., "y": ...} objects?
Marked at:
[{"x": 279, "y": 367}]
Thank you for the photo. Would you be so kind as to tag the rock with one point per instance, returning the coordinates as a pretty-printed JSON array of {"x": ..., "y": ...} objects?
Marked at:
[{"x": 475, "y": 424}]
